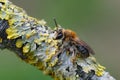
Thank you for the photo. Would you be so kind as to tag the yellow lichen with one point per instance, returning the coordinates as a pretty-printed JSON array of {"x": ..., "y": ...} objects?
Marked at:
[
  {"x": 30, "y": 56},
  {"x": 33, "y": 61},
  {"x": 26, "y": 48},
  {"x": 99, "y": 73},
  {"x": 12, "y": 33},
  {"x": 7, "y": 17},
  {"x": 13, "y": 36},
  {"x": 47, "y": 51},
  {"x": 53, "y": 63},
  {"x": 100, "y": 70},
  {"x": 28, "y": 35},
  {"x": 19, "y": 43},
  {"x": 102, "y": 67},
  {"x": 40, "y": 65},
  {"x": 3, "y": 1},
  {"x": 11, "y": 21},
  {"x": 49, "y": 72},
  {"x": 49, "y": 40},
  {"x": 53, "y": 43},
  {"x": 50, "y": 56},
  {"x": 86, "y": 69},
  {"x": 38, "y": 41},
  {"x": 42, "y": 22},
  {"x": 45, "y": 35},
  {"x": 56, "y": 78}
]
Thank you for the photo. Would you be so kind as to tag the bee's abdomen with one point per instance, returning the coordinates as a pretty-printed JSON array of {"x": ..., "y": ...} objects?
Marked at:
[{"x": 83, "y": 50}]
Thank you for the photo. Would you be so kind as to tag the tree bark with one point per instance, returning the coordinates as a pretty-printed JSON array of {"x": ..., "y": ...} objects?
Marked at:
[{"x": 33, "y": 41}]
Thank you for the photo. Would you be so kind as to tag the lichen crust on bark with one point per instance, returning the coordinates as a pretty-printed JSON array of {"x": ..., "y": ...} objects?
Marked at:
[{"x": 33, "y": 41}]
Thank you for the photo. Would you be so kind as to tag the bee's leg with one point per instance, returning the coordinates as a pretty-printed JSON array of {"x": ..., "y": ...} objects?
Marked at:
[
  {"x": 72, "y": 53},
  {"x": 73, "y": 59}
]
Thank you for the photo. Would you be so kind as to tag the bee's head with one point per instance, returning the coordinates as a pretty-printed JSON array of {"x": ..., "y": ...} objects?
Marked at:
[
  {"x": 59, "y": 31},
  {"x": 59, "y": 34}
]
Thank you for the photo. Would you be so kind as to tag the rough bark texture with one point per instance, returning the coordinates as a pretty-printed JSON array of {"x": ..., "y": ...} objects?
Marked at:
[{"x": 33, "y": 41}]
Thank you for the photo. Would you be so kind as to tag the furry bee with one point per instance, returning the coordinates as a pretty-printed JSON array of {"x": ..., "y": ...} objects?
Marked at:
[{"x": 70, "y": 36}]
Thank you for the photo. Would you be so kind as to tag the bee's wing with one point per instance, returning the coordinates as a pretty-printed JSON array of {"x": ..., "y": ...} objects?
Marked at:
[
  {"x": 87, "y": 46},
  {"x": 81, "y": 42}
]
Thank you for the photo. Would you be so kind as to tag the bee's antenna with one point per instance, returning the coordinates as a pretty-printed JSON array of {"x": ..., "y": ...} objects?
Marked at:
[{"x": 55, "y": 22}]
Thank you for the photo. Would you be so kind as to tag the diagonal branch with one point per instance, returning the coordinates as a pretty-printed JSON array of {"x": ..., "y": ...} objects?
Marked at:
[{"x": 33, "y": 41}]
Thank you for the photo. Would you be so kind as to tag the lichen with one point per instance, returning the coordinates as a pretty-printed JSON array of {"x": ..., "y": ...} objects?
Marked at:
[{"x": 34, "y": 43}]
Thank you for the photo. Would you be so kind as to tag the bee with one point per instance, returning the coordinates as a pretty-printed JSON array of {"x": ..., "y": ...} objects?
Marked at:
[{"x": 67, "y": 35}]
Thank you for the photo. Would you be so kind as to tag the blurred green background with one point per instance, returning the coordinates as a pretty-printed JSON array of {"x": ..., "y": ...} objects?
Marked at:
[{"x": 96, "y": 21}]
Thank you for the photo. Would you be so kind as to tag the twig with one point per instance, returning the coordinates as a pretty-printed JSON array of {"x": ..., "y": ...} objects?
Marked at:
[{"x": 33, "y": 41}]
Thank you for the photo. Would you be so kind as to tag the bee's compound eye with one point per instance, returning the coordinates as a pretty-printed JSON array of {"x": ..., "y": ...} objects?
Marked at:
[{"x": 59, "y": 35}]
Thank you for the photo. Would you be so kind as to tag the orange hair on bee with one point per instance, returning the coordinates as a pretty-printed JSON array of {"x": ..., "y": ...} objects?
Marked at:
[{"x": 69, "y": 33}]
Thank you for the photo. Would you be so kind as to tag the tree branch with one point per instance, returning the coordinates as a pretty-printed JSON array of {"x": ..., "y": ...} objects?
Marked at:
[{"x": 33, "y": 41}]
